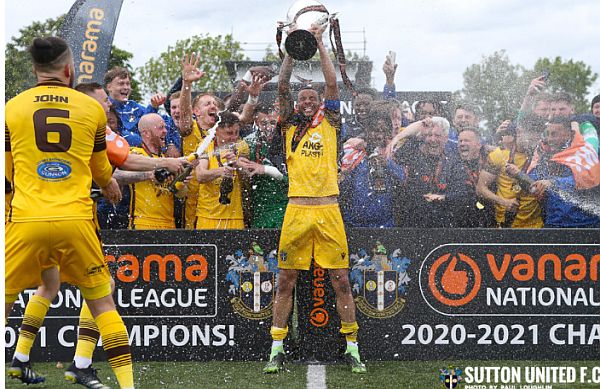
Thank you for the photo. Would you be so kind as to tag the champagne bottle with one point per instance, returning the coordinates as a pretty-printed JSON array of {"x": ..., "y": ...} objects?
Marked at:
[
  {"x": 225, "y": 189},
  {"x": 177, "y": 183},
  {"x": 162, "y": 174},
  {"x": 524, "y": 181}
]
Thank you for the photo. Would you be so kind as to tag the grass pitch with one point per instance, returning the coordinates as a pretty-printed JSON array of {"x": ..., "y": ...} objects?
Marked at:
[{"x": 247, "y": 375}]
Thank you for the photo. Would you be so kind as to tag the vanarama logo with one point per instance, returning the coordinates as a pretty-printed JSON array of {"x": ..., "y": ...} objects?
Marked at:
[
  {"x": 518, "y": 279},
  {"x": 54, "y": 169},
  {"x": 319, "y": 317},
  {"x": 252, "y": 279},
  {"x": 379, "y": 282},
  {"x": 89, "y": 46},
  {"x": 458, "y": 287},
  {"x": 159, "y": 280}
]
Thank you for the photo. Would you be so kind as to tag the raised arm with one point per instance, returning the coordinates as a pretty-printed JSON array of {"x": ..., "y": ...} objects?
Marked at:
[
  {"x": 411, "y": 130},
  {"x": 389, "y": 69},
  {"x": 257, "y": 85},
  {"x": 190, "y": 74},
  {"x": 136, "y": 162},
  {"x": 127, "y": 177},
  {"x": 331, "y": 88},
  {"x": 286, "y": 102},
  {"x": 535, "y": 87}
]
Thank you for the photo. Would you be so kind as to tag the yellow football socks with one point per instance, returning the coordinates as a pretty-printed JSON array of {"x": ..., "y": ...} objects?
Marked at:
[
  {"x": 350, "y": 331},
  {"x": 116, "y": 344},
  {"x": 35, "y": 312},
  {"x": 87, "y": 338},
  {"x": 279, "y": 333}
]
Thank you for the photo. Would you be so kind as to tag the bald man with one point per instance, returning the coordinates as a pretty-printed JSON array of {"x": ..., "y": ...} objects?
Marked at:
[{"x": 152, "y": 204}]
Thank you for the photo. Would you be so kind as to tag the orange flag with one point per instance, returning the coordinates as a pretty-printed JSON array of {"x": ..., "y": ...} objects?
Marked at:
[{"x": 582, "y": 159}]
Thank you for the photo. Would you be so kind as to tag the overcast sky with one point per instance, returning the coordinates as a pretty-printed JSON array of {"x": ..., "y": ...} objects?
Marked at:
[{"x": 435, "y": 40}]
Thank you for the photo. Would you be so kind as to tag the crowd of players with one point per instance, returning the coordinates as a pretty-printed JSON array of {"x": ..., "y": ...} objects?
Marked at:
[
  {"x": 206, "y": 163},
  {"x": 397, "y": 168}
]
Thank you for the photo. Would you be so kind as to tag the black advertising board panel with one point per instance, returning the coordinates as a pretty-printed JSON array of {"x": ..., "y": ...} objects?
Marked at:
[{"x": 419, "y": 294}]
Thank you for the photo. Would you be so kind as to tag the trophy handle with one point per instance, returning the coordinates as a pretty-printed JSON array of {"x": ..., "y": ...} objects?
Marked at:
[{"x": 300, "y": 44}]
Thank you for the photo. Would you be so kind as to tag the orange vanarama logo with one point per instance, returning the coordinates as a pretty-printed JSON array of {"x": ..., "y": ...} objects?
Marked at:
[
  {"x": 454, "y": 281},
  {"x": 319, "y": 317}
]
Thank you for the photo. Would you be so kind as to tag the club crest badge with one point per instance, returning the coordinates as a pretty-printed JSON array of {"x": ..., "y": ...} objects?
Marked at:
[
  {"x": 451, "y": 377},
  {"x": 252, "y": 280},
  {"x": 379, "y": 282}
]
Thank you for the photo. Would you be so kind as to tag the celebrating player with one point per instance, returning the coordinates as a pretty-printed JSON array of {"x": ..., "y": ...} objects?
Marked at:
[
  {"x": 312, "y": 226},
  {"x": 56, "y": 146}
]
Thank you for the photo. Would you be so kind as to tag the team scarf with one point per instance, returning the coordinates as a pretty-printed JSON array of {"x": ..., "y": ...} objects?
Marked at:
[
  {"x": 352, "y": 158},
  {"x": 581, "y": 158}
]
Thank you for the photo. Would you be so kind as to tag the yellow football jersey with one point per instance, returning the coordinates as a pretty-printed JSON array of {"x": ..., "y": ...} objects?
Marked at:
[
  {"x": 150, "y": 205},
  {"x": 209, "y": 192},
  {"x": 529, "y": 214},
  {"x": 312, "y": 167},
  {"x": 56, "y": 136},
  {"x": 189, "y": 145}
]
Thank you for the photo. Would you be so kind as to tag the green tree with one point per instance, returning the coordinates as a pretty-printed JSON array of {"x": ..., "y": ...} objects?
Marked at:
[
  {"x": 496, "y": 86},
  {"x": 18, "y": 75},
  {"x": 17, "y": 72},
  {"x": 158, "y": 74},
  {"x": 271, "y": 55},
  {"x": 575, "y": 78}
]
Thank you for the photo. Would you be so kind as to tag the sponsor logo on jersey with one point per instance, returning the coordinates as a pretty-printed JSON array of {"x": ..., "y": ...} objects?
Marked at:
[
  {"x": 313, "y": 147},
  {"x": 54, "y": 169}
]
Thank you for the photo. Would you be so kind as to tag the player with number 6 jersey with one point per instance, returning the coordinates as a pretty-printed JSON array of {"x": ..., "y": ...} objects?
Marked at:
[
  {"x": 55, "y": 146},
  {"x": 49, "y": 130}
]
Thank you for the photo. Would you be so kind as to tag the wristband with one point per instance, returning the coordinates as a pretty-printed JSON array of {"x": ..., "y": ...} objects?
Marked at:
[
  {"x": 252, "y": 100},
  {"x": 272, "y": 171}
]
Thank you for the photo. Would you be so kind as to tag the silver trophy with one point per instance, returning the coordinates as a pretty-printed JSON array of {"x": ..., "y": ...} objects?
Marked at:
[{"x": 300, "y": 43}]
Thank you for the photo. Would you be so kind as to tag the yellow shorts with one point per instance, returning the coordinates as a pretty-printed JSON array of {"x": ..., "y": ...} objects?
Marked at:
[
  {"x": 313, "y": 232},
  {"x": 71, "y": 245},
  {"x": 155, "y": 226},
  {"x": 203, "y": 223}
]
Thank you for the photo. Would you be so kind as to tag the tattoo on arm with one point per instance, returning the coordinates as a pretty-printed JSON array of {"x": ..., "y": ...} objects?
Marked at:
[
  {"x": 126, "y": 177},
  {"x": 286, "y": 105}
]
